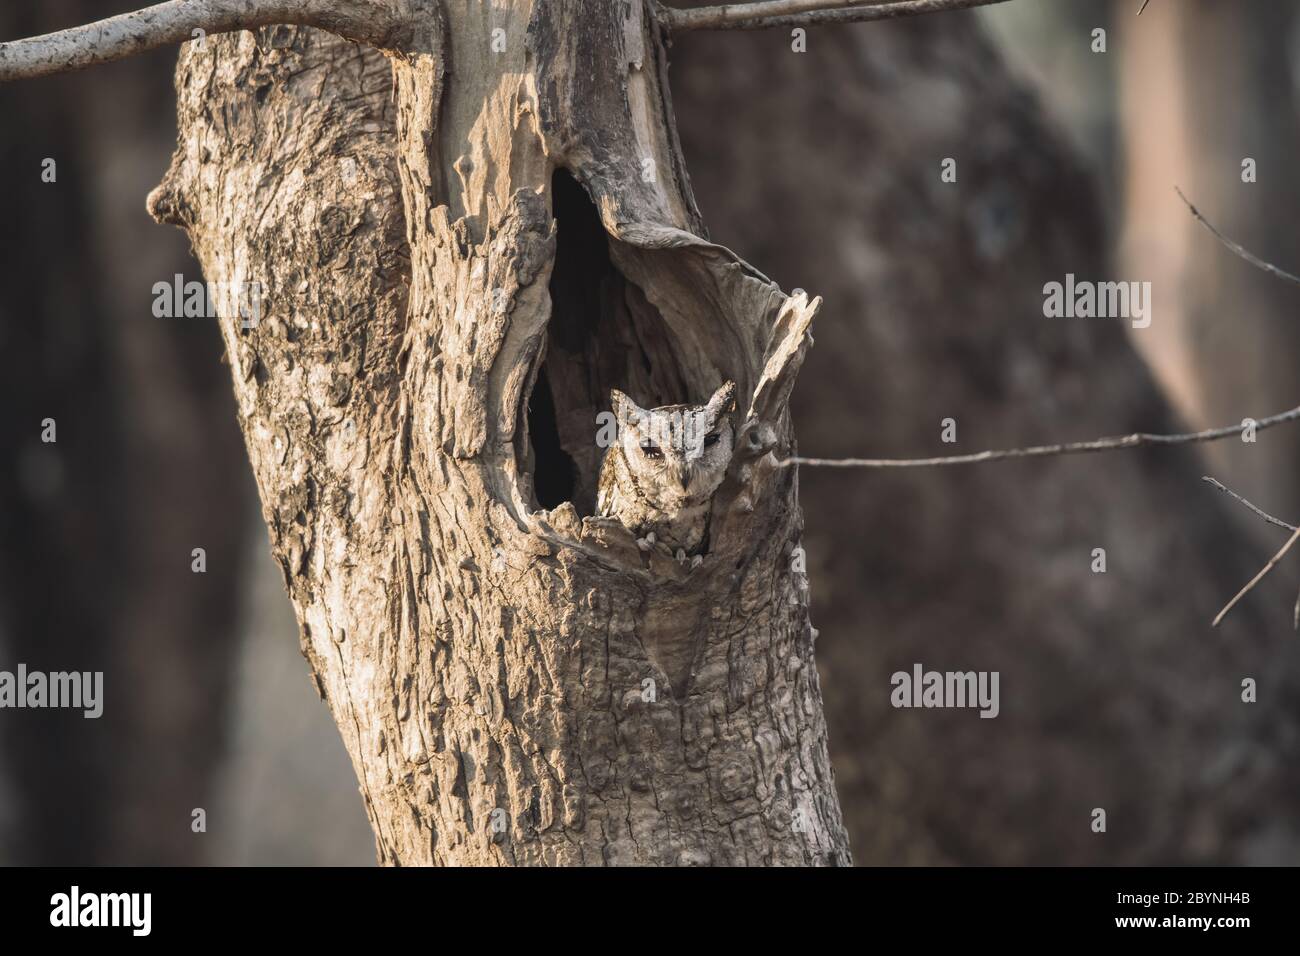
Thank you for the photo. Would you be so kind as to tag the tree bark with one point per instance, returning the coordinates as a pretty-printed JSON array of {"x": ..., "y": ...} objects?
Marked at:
[{"x": 515, "y": 682}]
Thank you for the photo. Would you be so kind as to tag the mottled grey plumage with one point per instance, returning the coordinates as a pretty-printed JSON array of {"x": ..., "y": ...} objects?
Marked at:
[{"x": 659, "y": 476}]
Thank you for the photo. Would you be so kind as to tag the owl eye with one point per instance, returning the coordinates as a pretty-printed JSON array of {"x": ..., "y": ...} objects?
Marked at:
[
  {"x": 712, "y": 438},
  {"x": 652, "y": 451}
]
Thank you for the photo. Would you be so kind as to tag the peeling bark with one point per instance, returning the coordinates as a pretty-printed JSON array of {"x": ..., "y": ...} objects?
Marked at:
[{"x": 515, "y": 684}]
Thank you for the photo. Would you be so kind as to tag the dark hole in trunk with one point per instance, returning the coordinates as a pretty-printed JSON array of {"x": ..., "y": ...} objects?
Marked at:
[
  {"x": 602, "y": 334},
  {"x": 553, "y": 471},
  {"x": 582, "y": 274}
]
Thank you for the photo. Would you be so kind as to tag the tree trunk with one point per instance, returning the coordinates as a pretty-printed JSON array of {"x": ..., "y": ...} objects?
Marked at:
[{"x": 445, "y": 313}]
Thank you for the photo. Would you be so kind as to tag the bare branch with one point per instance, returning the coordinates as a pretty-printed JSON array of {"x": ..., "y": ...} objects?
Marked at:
[
  {"x": 1237, "y": 248},
  {"x": 376, "y": 23},
  {"x": 1259, "y": 511},
  {"x": 802, "y": 13},
  {"x": 1143, "y": 7},
  {"x": 1295, "y": 617},
  {"x": 1259, "y": 577},
  {"x": 1042, "y": 451}
]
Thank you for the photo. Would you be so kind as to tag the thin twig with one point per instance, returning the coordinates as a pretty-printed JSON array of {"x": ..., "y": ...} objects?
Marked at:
[
  {"x": 1042, "y": 451},
  {"x": 796, "y": 13},
  {"x": 1143, "y": 7},
  {"x": 374, "y": 22},
  {"x": 1295, "y": 617},
  {"x": 1240, "y": 250},
  {"x": 1259, "y": 511},
  {"x": 1237, "y": 248},
  {"x": 1259, "y": 577}
]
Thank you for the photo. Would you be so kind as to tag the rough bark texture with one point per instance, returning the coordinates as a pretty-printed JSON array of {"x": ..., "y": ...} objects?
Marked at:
[
  {"x": 1115, "y": 692},
  {"x": 515, "y": 684}
]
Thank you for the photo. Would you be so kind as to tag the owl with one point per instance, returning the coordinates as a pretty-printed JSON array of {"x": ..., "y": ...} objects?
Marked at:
[{"x": 659, "y": 476}]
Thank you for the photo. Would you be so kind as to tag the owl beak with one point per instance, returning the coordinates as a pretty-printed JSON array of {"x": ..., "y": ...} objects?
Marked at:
[{"x": 684, "y": 476}]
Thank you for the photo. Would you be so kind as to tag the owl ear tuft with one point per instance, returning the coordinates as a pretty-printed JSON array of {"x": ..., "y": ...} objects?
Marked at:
[
  {"x": 626, "y": 411},
  {"x": 723, "y": 400}
]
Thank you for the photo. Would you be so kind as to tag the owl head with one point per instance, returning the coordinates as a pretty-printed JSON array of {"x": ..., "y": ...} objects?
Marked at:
[{"x": 677, "y": 453}]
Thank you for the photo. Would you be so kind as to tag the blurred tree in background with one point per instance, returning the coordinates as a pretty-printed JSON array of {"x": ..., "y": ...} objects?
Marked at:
[{"x": 97, "y": 530}]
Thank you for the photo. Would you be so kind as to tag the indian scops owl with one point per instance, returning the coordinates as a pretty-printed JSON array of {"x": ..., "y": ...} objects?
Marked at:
[{"x": 658, "y": 477}]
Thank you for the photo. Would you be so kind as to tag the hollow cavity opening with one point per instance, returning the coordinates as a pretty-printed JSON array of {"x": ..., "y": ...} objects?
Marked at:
[
  {"x": 602, "y": 333},
  {"x": 553, "y": 468}
]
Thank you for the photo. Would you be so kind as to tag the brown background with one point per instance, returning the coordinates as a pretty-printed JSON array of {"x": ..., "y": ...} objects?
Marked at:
[{"x": 822, "y": 168}]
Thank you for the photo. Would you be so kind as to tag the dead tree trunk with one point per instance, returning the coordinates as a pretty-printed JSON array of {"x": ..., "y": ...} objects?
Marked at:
[{"x": 445, "y": 312}]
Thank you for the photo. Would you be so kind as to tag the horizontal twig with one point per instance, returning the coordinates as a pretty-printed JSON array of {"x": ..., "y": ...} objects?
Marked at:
[
  {"x": 1135, "y": 440},
  {"x": 373, "y": 22},
  {"x": 794, "y": 13}
]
